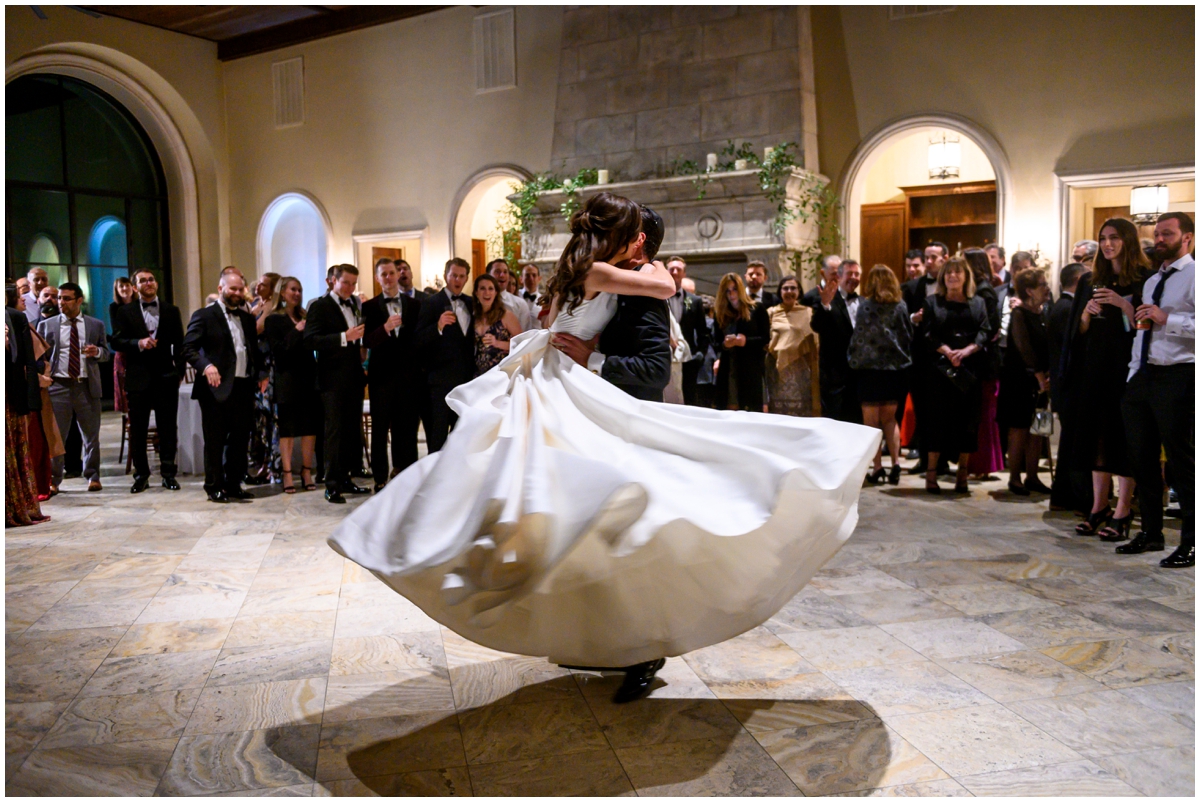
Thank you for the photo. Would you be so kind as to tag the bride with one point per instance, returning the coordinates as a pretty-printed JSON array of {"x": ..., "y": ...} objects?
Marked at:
[{"x": 565, "y": 518}]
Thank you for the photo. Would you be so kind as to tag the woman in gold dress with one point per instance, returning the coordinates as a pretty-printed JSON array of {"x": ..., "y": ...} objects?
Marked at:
[{"x": 793, "y": 382}]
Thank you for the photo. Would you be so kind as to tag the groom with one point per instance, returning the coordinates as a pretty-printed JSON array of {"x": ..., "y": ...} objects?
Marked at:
[{"x": 634, "y": 353}]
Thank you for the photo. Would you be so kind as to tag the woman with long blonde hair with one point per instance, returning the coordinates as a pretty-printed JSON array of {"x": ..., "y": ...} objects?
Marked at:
[{"x": 739, "y": 338}]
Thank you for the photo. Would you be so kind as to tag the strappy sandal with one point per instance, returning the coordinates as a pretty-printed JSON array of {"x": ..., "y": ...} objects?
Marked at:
[
  {"x": 1094, "y": 522},
  {"x": 289, "y": 484},
  {"x": 308, "y": 485},
  {"x": 1117, "y": 529}
]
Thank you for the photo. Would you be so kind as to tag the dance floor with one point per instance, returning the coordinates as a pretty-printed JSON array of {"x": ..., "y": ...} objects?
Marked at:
[{"x": 162, "y": 644}]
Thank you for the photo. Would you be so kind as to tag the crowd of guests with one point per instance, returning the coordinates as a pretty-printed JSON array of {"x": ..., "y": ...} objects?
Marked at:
[{"x": 961, "y": 363}]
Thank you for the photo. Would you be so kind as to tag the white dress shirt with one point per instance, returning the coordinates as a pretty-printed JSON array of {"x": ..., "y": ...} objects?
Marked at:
[
  {"x": 519, "y": 307},
  {"x": 460, "y": 310},
  {"x": 394, "y": 307},
  {"x": 1174, "y": 343},
  {"x": 535, "y": 309},
  {"x": 851, "y": 306},
  {"x": 150, "y": 315},
  {"x": 241, "y": 368},
  {"x": 62, "y": 369}
]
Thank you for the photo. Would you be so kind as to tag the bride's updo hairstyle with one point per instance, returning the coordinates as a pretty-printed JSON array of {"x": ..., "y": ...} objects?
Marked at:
[{"x": 599, "y": 231}]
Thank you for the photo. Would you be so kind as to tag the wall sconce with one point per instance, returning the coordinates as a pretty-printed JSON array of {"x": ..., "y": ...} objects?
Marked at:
[
  {"x": 1147, "y": 203},
  {"x": 945, "y": 156}
]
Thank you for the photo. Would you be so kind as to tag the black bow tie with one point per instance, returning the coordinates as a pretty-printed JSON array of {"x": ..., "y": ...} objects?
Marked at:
[
  {"x": 149, "y": 304},
  {"x": 456, "y": 297},
  {"x": 346, "y": 302},
  {"x": 529, "y": 296},
  {"x": 850, "y": 296}
]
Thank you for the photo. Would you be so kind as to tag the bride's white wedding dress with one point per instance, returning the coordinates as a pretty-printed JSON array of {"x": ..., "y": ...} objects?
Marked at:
[{"x": 567, "y": 519}]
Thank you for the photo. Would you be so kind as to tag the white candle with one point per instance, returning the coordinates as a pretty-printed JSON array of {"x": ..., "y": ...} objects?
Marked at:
[
  {"x": 711, "y": 160},
  {"x": 602, "y": 176},
  {"x": 739, "y": 164},
  {"x": 767, "y": 151}
]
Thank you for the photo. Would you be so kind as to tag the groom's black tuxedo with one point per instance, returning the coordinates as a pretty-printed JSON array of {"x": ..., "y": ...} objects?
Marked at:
[{"x": 636, "y": 345}]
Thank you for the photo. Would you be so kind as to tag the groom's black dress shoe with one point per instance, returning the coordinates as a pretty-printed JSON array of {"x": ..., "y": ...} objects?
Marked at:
[
  {"x": 169, "y": 483},
  {"x": 219, "y": 496},
  {"x": 637, "y": 681},
  {"x": 239, "y": 494},
  {"x": 334, "y": 496},
  {"x": 1142, "y": 543},
  {"x": 354, "y": 490},
  {"x": 1182, "y": 557},
  {"x": 140, "y": 483}
]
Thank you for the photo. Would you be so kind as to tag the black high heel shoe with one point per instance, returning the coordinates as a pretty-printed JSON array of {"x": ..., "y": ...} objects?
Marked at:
[
  {"x": 877, "y": 476},
  {"x": 1093, "y": 523},
  {"x": 894, "y": 475},
  {"x": 1117, "y": 529}
]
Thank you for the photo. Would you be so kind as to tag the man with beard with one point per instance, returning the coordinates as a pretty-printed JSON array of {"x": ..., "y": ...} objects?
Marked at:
[
  {"x": 1159, "y": 404},
  {"x": 756, "y": 277}
]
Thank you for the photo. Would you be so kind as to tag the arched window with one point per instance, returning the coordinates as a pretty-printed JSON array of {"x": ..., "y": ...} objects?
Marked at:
[
  {"x": 86, "y": 197},
  {"x": 292, "y": 241}
]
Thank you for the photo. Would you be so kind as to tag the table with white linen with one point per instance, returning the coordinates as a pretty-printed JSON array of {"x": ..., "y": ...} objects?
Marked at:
[{"x": 190, "y": 454}]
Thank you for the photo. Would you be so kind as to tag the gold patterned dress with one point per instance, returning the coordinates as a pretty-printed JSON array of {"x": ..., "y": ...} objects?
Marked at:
[{"x": 793, "y": 382}]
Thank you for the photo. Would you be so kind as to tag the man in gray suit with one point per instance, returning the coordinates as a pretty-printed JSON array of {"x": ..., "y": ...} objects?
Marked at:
[{"x": 77, "y": 347}]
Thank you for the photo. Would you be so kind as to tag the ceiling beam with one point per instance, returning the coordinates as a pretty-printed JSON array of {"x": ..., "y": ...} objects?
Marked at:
[{"x": 342, "y": 20}]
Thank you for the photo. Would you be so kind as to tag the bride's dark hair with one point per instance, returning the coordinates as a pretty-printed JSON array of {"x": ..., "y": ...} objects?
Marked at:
[{"x": 605, "y": 225}]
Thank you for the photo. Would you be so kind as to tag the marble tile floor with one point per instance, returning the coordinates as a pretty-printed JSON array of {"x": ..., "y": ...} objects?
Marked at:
[{"x": 160, "y": 644}]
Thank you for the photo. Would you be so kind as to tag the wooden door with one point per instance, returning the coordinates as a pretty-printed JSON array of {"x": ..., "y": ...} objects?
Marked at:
[
  {"x": 377, "y": 254},
  {"x": 884, "y": 236},
  {"x": 1102, "y": 213},
  {"x": 478, "y": 257}
]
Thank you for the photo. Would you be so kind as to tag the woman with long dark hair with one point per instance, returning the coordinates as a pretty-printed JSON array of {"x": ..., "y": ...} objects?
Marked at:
[
  {"x": 297, "y": 413},
  {"x": 988, "y": 456},
  {"x": 21, "y": 507},
  {"x": 793, "y": 369},
  {"x": 571, "y": 516},
  {"x": 495, "y": 324},
  {"x": 1024, "y": 378},
  {"x": 1099, "y": 345},
  {"x": 123, "y": 292},
  {"x": 739, "y": 337}
]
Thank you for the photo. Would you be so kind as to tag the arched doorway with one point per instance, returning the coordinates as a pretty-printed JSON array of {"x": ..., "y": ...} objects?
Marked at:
[
  {"x": 890, "y": 201},
  {"x": 86, "y": 194},
  {"x": 479, "y": 208},
  {"x": 293, "y": 239}
]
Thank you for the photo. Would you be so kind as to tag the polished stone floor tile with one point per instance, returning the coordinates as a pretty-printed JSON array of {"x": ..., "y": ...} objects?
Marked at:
[
  {"x": 838, "y": 581},
  {"x": 889, "y": 606},
  {"x": 271, "y": 663},
  {"x": 931, "y": 788},
  {"x": 1019, "y": 675},
  {"x": 768, "y": 715},
  {"x": 139, "y": 565},
  {"x": 239, "y": 761},
  {"x": 1072, "y": 589},
  {"x": 856, "y": 647},
  {"x": 736, "y": 766},
  {"x": 1049, "y": 626},
  {"x": 1156, "y": 772},
  {"x": 986, "y": 597},
  {"x": 596, "y": 773},
  {"x": 1181, "y": 646},
  {"x": 400, "y": 652},
  {"x": 675, "y": 680},
  {"x": 907, "y": 688},
  {"x": 1103, "y": 723},
  {"x": 183, "y": 636},
  {"x": 802, "y": 687},
  {"x": 261, "y": 630},
  {"x": 91, "y": 721},
  {"x": 387, "y": 693},
  {"x": 849, "y": 756},
  {"x": 1136, "y": 617},
  {"x": 935, "y": 573},
  {"x": 26, "y": 724},
  {"x": 809, "y": 610},
  {"x": 25, "y": 604},
  {"x": 258, "y": 706},
  {"x": 439, "y": 782},
  {"x": 755, "y": 655},
  {"x": 979, "y": 740},
  {"x": 532, "y": 730},
  {"x": 1077, "y": 778},
  {"x": 952, "y": 637},
  {"x": 378, "y": 747},
  {"x": 48, "y": 680},
  {"x": 118, "y": 769},
  {"x": 656, "y": 721},
  {"x": 95, "y": 614},
  {"x": 1122, "y": 663},
  {"x": 1174, "y": 699},
  {"x": 151, "y": 672},
  {"x": 396, "y": 615}
]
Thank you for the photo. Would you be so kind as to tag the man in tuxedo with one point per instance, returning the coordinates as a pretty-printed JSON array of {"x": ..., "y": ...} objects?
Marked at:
[
  {"x": 405, "y": 280},
  {"x": 221, "y": 343},
  {"x": 77, "y": 347},
  {"x": 634, "y": 354},
  {"x": 834, "y": 315},
  {"x": 498, "y": 269},
  {"x": 446, "y": 343},
  {"x": 393, "y": 374},
  {"x": 756, "y": 277},
  {"x": 688, "y": 311},
  {"x": 531, "y": 277},
  {"x": 1071, "y": 489},
  {"x": 914, "y": 292},
  {"x": 38, "y": 281},
  {"x": 150, "y": 334},
  {"x": 914, "y": 264},
  {"x": 335, "y": 330}
]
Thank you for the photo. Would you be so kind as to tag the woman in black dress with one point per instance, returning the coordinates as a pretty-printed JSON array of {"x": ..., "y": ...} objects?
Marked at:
[
  {"x": 296, "y": 410},
  {"x": 495, "y": 325},
  {"x": 740, "y": 334},
  {"x": 1024, "y": 378},
  {"x": 954, "y": 331},
  {"x": 989, "y": 454},
  {"x": 1099, "y": 345},
  {"x": 123, "y": 293}
]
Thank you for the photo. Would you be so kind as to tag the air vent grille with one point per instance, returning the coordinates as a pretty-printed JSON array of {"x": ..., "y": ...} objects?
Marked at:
[
  {"x": 287, "y": 78},
  {"x": 495, "y": 51}
]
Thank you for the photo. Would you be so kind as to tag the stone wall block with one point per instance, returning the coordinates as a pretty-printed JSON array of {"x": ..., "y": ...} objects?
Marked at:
[
  {"x": 702, "y": 81},
  {"x": 581, "y": 100},
  {"x": 563, "y": 144},
  {"x": 624, "y": 20},
  {"x": 739, "y": 36},
  {"x": 674, "y": 125},
  {"x": 674, "y": 46},
  {"x": 776, "y": 71},
  {"x": 785, "y": 112},
  {"x": 568, "y": 65},
  {"x": 690, "y": 15},
  {"x": 784, "y": 30},
  {"x": 738, "y": 117},
  {"x": 584, "y": 24},
  {"x": 639, "y": 91},
  {"x": 606, "y": 59},
  {"x": 609, "y": 134},
  {"x": 635, "y": 164}
]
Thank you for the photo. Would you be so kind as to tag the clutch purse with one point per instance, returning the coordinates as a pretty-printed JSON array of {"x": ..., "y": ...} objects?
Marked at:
[
  {"x": 962, "y": 378},
  {"x": 1043, "y": 419}
]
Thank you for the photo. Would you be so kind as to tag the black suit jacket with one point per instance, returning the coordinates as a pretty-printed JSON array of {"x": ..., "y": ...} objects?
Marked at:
[
  {"x": 1058, "y": 318},
  {"x": 393, "y": 355},
  {"x": 22, "y": 393},
  {"x": 769, "y": 299},
  {"x": 338, "y": 366},
  {"x": 694, "y": 324},
  {"x": 449, "y": 356},
  {"x": 636, "y": 345},
  {"x": 164, "y": 361},
  {"x": 914, "y": 293},
  {"x": 834, "y": 328},
  {"x": 208, "y": 342}
]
